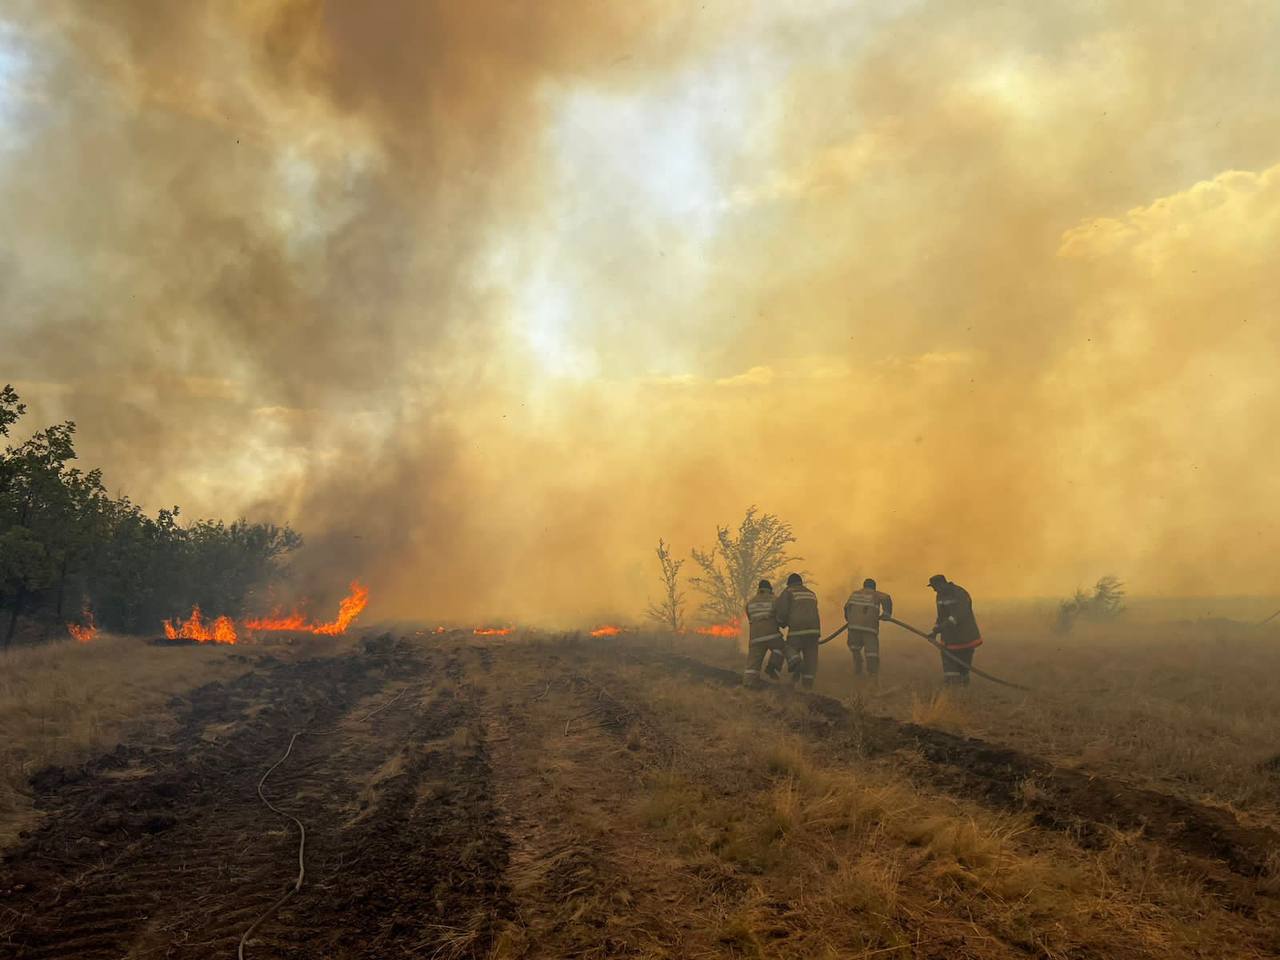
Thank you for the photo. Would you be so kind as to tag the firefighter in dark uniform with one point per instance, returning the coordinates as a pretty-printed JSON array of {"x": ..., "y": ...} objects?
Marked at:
[
  {"x": 797, "y": 609},
  {"x": 957, "y": 629},
  {"x": 863, "y": 612},
  {"x": 764, "y": 636}
]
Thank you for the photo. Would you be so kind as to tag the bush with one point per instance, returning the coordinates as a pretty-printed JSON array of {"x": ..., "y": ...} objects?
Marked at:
[{"x": 1105, "y": 603}]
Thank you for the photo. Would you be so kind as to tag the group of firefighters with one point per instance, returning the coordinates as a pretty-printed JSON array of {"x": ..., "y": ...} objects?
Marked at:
[{"x": 796, "y": 611}]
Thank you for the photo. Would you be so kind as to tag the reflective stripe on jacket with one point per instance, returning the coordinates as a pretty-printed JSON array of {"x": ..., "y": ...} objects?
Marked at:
[
  {"x": 762, "y": 624},
  {"x": 862, "y": 609},
  {"x": 956, "y": 622},
  {"x": 797, "y": 610}
]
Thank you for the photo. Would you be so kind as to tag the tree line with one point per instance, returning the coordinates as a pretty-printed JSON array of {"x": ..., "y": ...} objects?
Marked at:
[{"x": 67, "y": 546}]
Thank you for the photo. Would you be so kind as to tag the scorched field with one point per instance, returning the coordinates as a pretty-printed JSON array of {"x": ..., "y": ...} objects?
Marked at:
[{"x": 568, "y": 796}]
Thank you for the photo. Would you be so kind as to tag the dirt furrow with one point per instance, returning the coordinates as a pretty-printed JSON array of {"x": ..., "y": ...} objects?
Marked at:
[{"x": 400, "y": 854}]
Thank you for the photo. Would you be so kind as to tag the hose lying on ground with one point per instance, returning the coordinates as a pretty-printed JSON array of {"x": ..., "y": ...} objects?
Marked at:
[
  {"x": 302, "y": 830},
  {"x": 945, "y": 652}
]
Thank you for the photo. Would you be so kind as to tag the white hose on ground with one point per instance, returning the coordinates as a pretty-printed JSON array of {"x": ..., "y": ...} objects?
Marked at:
[{"x": 302, "y": 830}]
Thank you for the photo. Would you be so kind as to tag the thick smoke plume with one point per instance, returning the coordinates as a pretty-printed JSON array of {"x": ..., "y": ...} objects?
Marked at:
[{"x": 486, "y": 297}]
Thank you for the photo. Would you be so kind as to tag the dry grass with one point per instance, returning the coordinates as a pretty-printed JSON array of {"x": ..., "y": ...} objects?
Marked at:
[
  {"x": 862, "y": 857},
  {"x": 62, "y": 703},
  {"x": 1184, "y": 706}
]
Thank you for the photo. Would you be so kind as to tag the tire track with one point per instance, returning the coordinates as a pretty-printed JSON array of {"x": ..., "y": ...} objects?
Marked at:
[{"x": 184, "y": 858}]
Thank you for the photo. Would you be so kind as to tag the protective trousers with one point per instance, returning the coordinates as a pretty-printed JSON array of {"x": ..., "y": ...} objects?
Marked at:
[
  {"x": 864, "y": 642},
  {"x": 803, "y": 654},
  {"x": 955, "y": 672},
  {"x": 755, "y": 660}
]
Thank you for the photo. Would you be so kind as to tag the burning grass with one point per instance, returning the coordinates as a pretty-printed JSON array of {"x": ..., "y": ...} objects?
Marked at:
[
  {"x": 351, "y": 606},
  {"x": 221, "y": 630}
]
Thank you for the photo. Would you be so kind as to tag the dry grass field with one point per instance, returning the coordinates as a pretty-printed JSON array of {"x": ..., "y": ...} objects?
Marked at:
[
  {"x": 1188, "y": 706},
  {"x": 62, "y": 703},
  {"x": 560, "y": 796}
]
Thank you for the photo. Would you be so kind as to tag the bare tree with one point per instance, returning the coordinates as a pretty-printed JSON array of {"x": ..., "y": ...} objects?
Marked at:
[
  {"x": 1105, "y": 603},
  {"x": 731, "y": 569},
  {"x": 670, "y": 610}
]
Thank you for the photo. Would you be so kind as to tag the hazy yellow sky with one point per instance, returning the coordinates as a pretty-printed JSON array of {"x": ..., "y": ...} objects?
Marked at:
[{"x": 485, "y": 298}]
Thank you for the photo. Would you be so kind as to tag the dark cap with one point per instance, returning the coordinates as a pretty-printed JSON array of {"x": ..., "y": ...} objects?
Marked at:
[
  {"x": 869, "y": 583},
  {"x": 795, "y": 580},
  {"x": 766, "y": 585},
  {"x": 937, "y": 580}
]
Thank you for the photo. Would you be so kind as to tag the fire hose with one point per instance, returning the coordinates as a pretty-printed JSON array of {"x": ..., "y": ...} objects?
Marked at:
[
  {"x": 941, "y": 649},
  {"x": 302, "y": 830}
]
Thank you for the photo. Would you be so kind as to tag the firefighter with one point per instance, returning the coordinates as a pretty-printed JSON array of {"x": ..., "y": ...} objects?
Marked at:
[
  {"x": 863, "y": 611},
  {"x": 764, "y": 636},
  {"x": 797, "y": 610},
  {"x": 957, "y": 628}
]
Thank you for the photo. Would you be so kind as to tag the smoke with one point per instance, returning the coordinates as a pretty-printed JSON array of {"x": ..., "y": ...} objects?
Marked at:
[{"x": 486, "y": 297}]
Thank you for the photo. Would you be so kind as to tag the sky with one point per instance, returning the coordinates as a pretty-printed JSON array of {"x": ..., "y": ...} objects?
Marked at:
[{"x": 486, "y": 298}]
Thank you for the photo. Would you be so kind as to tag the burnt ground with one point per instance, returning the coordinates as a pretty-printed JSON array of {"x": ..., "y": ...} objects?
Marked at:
[
  {"x": 1088, "y": 806},
  {"x": 167, "y": 852},
  {"x": 476, "y": 814}
]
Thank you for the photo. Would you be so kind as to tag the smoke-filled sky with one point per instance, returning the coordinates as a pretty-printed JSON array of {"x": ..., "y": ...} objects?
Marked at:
[{"x": 486, "y": 297}]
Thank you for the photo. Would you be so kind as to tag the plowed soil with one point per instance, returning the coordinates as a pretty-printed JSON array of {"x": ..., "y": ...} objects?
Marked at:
[{"x": 468, "y": 799}]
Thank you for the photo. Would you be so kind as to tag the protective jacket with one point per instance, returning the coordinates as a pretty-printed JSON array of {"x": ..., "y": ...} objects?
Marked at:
[
  {"x": 956, "y": 622},
  {"x": 762, "y": 623},
  {"x": 797, "y": 609},
  {"x": 863, "y": 608}
]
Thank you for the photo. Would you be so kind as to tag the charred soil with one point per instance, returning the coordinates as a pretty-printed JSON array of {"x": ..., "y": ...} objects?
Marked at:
[
  {"x": 166, "y": 850},
  {"x": 561, "y": 797}
]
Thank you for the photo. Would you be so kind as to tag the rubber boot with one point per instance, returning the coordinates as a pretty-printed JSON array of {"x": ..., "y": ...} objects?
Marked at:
[
  {"x": 773, "y": 666},
  {"x": 795, "y": 663}
]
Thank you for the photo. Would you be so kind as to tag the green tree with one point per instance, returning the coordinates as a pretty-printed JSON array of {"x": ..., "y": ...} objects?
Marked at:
[
  {"x": 37, "y": 516},
  {"x": 64, "y": 540}
]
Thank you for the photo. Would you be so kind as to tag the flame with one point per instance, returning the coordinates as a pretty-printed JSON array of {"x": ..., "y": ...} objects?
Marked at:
[
  {"x": 350, "y": 608},
  {"x": 296, "y": 622},
  {"x": 439, "y": 629},
  {"x": 606, "y": 631},
  {"x": 491, "y": 631},
  {"x": 193, "y": 628},
  {"x": 730, "y": 629},
  {"x": 85, "y": 632}
]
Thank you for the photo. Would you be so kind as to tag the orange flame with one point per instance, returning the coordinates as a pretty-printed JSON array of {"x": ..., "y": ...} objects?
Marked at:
[
  {"x": 730, "y": 629},
  {"x": 295, "y": 621},
  {"x": 193, "y": 628},
  {"x": 606, "y": 631},
  {"x": 439, "y": 629},
  {"x": 491, "y": 631},
  {"x": 85, "y": 632},
  {"x": 350, "y": 608}
]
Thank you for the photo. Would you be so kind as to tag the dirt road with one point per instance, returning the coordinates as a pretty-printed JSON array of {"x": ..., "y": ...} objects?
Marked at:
[{"x": 562, "y": 798}]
